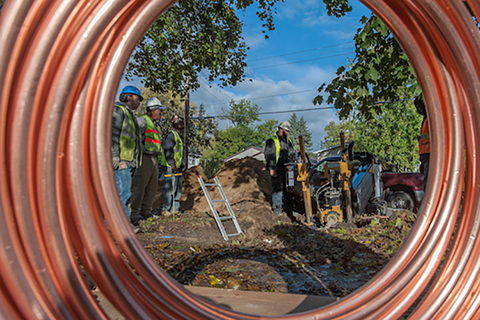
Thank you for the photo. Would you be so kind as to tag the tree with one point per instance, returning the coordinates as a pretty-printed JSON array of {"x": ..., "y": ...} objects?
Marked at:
[
  {"x": 332, "y": 131},
  {"x": 242, "y": 113},
  {"x": 194, "y": 36},
  {"x": 392, "y": 135},
  {"x": 307, "y": 135},
  {"x": 380, "y": 72},
  {"x": 264, "y": 131},
  {"x": 294, "y": 129},
  {"x": 201, "y": 131},
  {"x": 298, "y": 127},
  {"x": 243, "y": 134}
]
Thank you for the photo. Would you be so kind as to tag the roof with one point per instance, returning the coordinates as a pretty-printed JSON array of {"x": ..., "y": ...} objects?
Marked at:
[
  {"x": 329, "y": 152},
  {"x": 253, "y": 152}
]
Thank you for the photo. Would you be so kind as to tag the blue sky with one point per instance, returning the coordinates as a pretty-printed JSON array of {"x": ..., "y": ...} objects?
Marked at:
[{"x": 303, "y": 52}]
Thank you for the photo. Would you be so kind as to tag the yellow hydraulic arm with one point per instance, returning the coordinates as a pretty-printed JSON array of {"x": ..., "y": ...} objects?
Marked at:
[
  {"x": 345, "y": 175},
  {"x": 303, "y": 178}
]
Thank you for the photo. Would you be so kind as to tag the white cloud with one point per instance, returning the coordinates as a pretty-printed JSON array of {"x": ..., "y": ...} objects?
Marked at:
[
  {"x": 338, "y": 34},
  {"x": 271, "y": 96},
  {"x": 291, "y": 9},
  {"x": 256, "y": 40}
]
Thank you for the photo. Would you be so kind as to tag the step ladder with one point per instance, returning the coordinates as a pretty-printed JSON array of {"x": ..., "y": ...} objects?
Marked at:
[{"x": 214, "y": 211}]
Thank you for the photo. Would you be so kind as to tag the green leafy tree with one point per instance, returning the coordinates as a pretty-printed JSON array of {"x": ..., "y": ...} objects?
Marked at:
[
  {"x": 194, "y": 36},
  {"x": 227, "y": 143},
  {"x": 243, "y": 134},
  {"x": 379, "y": 72},
  {"x": 264, "y": 131},
  {"x": 392, "y": 135},
  {"x": 201, "y": 131},
  {"x": 242, "y": 113},
  {"x": 332, "y": 132}
]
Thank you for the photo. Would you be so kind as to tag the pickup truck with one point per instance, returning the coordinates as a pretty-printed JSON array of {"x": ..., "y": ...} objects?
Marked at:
[{"x": 402, "y": 190}]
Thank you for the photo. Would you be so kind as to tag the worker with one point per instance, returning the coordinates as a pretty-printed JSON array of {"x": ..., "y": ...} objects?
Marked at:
[
  {"x": 126, "y": 142},
  {"x": 423, "y": 140},
  {"x": 173, "y": 160},
  {"x": 145, "y": 178},
  {"x": 280, "y": 150}
]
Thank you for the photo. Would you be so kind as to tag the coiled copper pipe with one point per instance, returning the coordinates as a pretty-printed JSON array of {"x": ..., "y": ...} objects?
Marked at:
[{"x": 60, "y": 65}]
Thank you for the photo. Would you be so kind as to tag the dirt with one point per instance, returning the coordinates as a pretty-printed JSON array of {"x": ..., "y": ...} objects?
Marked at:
[
  {"x": 246, "y": 184},
  {"x": 277, "y": 254}
]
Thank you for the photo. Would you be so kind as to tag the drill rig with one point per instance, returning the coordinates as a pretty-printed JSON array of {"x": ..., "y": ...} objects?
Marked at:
[{"x": 352, "y": 187}]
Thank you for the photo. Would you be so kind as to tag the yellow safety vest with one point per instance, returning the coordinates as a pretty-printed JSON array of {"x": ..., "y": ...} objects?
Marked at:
[
  {"x": 277, "y": 147},
  {"x": 127, "y": 136},
  {"x": 177, "y": 152}
]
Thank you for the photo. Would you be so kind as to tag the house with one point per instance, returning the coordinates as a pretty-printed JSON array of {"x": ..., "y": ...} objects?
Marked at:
[
  {"x": 334, "y": 151},
  {"x": 253, "y": 152}
]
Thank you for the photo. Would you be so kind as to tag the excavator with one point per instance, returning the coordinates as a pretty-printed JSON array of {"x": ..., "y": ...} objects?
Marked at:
[{"x": 350, "y": 188}]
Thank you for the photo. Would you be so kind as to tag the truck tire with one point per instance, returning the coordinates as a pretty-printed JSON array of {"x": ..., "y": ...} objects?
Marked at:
[{"x": 400, "y": 200}]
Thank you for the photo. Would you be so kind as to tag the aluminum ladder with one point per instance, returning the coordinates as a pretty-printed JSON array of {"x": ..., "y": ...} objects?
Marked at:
[{"x": 211, "y": 202}]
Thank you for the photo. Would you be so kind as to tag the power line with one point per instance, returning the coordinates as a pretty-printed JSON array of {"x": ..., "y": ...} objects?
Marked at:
[
  {"x": 283, "y": 94},
  {"x": 221, "y": 102},
  {"x": 271, "y": 96},
  {"x": 297, "y": 52},
  {"x": 260, "y": 113},
  {"x": 205, "y": 82},
  {"x": 283, "y": 64}
]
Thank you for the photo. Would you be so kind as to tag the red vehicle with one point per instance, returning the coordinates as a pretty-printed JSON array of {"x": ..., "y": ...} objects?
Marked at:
[{"x": 401, "y": 190}]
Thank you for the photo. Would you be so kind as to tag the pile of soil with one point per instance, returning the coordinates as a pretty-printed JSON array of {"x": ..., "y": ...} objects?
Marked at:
[
  {"x": 246, "y": 184},
  {"x": 241, "y": 179}
]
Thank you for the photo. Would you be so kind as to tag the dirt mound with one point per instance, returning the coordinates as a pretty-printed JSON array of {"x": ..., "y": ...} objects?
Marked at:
[
  {"x": 246, "y": 184},
  {"x": 191, "y": 187},
  {"x": 241, "y": 180}
]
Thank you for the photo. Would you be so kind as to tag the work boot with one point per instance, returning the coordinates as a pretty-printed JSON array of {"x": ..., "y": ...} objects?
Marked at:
[
  {"x": 135, "y": 219},
  {"x": 136, "y": 229},
  {"x": 278, "y": 211},
  {"x": 166, "y": 213}
]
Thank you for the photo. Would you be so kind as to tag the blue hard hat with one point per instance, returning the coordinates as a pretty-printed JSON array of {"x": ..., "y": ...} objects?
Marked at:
[{"x": 133, "y": 90}]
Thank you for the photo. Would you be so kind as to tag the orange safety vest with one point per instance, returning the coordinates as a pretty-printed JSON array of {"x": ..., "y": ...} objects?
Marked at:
[{"x": 424, "y": 139}]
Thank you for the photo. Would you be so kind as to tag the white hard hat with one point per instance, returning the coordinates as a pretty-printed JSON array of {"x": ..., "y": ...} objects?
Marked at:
[
  {"x": 285, "y": 125},
  {"x": 153, "y": 103}
]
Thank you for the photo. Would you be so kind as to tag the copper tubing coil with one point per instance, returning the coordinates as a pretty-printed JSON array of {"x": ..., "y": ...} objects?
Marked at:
[{"x": 60, "y": 65}]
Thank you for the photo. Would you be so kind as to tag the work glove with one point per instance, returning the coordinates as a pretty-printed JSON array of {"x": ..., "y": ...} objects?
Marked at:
[
  {"x": 174, "y": 169},
  {"x": 116, "y": 162}
]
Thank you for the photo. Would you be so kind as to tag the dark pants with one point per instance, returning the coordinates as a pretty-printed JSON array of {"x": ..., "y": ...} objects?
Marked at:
[
  {"x": 281, "y": 197},
  {"x": 424, "y": 163},
  {"x": 144, "y": 187}
]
